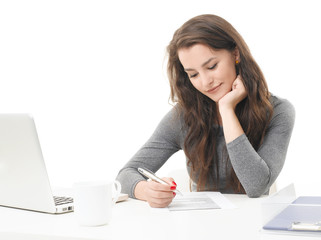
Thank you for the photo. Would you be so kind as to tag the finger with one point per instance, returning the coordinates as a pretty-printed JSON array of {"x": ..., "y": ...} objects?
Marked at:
[
  {"x": 238, "y": 79},
  {"x": 158, "y": 204},
  {"x": 160, "y": 190},
  {"x": 162, "y": 187},
  {"x": 237, "y": 83},
  {"x": 169, "y": 180},
  {"x": 160, "y": 195}
]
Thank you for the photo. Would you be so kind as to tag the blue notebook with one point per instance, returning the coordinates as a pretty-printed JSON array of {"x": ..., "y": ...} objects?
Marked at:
[{"x": 298, "y": 217}]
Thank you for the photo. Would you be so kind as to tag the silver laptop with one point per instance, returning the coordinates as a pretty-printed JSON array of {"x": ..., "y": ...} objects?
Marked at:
[{"x": 24, "y": 182}]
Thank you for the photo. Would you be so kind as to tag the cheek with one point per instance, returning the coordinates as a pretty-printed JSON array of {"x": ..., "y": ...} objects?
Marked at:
[
  {"x": 196, "y": 85},
  {"x": 227, "y": 88},
  {"x": 230, "y": 79},
  {"x": 229, "y": 75}
]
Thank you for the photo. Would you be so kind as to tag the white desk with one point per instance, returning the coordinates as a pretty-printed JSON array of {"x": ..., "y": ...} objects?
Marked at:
[{"x": 134, "y": 219}]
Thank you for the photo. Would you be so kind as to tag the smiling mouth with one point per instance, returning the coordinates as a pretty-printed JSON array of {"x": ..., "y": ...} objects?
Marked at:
[{"x": 214, "y": 88}]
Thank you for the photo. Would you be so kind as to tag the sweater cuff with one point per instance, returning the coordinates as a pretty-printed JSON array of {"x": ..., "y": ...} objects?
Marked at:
[{"x": 237, "y": 141}]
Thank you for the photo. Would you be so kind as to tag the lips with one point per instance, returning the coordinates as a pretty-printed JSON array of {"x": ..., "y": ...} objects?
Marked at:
[{"x": 214, "y": 88}]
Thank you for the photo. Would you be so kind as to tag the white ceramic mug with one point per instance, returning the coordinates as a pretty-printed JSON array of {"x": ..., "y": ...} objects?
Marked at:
[{"x": 93, "y": 201}]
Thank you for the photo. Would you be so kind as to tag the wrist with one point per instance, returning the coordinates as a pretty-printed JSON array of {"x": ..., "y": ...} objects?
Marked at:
[
  {"x": 226, "y": 110},
  {"x": 231, "y": 125},
  {"x": 139, "y": 191}
]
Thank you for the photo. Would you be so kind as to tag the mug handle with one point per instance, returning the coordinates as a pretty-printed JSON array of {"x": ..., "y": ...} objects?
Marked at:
[{"x": 116, "y": 194}]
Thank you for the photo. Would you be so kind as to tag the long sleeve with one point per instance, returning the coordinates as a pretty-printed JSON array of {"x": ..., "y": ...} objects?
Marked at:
[
  {"x": 257, "y": 170},
  {"x": 163, "y": 143}
]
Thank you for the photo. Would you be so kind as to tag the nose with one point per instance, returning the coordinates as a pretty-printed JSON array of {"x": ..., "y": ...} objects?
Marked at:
[{"x": 207, "y": 80}]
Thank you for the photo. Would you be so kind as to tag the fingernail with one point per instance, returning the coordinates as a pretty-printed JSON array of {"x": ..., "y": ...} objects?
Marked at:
[
  {"x": 174, "y": 183},
  {"x": 174, "y": 193},
  {"x": 173, "y": 187}
]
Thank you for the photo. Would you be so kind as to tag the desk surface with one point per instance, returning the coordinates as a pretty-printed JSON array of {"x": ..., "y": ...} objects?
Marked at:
[{"x": 134, "y": 219}]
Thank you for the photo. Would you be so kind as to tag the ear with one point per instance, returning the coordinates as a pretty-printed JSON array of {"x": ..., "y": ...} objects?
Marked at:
[{"x": 236, "y": 54}]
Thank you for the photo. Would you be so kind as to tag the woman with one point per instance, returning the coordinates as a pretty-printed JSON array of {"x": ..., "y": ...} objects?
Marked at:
[{"x": 234, "y": 133}]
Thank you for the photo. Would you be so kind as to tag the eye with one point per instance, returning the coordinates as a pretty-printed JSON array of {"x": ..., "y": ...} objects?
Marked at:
[
  {"x": 214, "y": 66},
  {"x": 193, "y": 75}
]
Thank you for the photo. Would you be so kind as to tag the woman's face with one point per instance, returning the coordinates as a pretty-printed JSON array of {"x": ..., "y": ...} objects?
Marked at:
[{"x": 212, "y": 72}]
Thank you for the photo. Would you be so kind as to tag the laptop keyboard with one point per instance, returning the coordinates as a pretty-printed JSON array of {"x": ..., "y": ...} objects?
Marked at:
[{"x": 63, "y": 200}]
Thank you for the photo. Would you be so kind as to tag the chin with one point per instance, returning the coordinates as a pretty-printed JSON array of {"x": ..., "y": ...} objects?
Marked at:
[{"x": 216, "y": 97}]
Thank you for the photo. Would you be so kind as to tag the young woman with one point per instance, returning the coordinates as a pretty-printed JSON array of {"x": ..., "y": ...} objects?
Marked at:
[{"x": 234, "y": 133}]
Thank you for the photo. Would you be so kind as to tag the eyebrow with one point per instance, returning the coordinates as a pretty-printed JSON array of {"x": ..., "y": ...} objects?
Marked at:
[{"x": 191, "y": 69}]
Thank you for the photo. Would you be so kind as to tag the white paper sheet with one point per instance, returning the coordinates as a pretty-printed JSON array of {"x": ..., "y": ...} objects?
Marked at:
[{"x": 198, "y": 201}]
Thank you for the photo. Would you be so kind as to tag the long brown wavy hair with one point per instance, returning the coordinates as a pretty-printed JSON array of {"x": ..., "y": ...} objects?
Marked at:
[{"x": 200, "y": 112}]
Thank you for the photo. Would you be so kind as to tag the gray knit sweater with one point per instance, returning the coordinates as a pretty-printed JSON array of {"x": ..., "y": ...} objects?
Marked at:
[{"x": 256, "y": 170}]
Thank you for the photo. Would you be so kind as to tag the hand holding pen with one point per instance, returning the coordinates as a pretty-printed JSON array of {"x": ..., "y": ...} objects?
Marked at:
[{"x": 159, "y": 192}]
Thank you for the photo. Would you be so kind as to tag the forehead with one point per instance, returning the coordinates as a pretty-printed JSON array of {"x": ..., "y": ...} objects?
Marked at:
[{"x": 199, "y": 53}]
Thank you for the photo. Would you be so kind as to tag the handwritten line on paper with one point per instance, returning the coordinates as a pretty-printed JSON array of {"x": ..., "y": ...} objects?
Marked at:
[
  {"x": 197, "y": 200},
  {"x": 192, "y": 202}
]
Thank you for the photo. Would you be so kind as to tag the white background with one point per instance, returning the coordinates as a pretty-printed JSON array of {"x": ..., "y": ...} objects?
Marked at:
[{"x": 93, "y": 74}]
